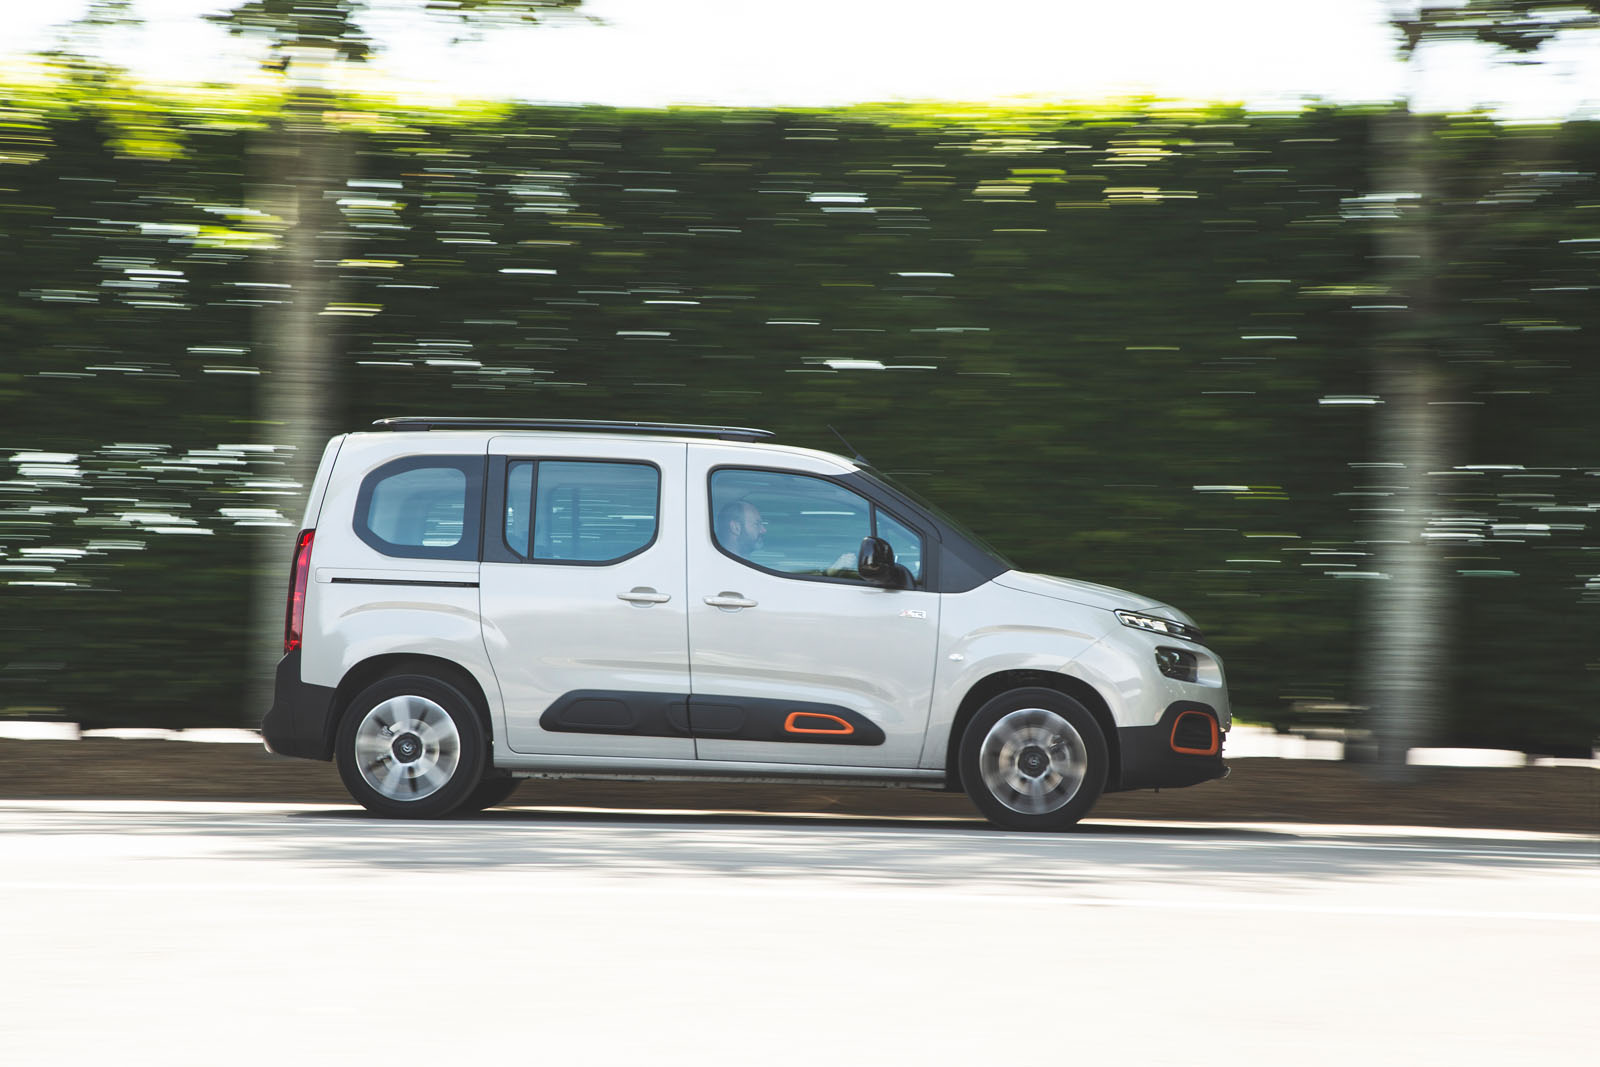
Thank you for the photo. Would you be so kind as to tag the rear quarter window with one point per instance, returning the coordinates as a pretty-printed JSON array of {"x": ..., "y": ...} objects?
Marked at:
[{"x": 422, "y": 507}]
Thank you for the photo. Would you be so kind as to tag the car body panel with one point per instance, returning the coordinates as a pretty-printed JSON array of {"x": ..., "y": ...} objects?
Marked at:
[
  {"x": 361, "y": 603},
  {"x": 843, "y": 643},
  {"x": 551, "y": 629}
]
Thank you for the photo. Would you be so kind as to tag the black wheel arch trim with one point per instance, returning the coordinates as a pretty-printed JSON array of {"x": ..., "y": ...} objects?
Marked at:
[
  {"x": 987, "y": 689},
  {"x": 304, "y": 718}
]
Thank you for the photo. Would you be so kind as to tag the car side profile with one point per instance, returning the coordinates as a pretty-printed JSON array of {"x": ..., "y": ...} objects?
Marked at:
[{"x": 476, "y": 601}]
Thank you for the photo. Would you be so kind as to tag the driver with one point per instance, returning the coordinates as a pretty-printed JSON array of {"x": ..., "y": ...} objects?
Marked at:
[{"x": 740, "y": 528}]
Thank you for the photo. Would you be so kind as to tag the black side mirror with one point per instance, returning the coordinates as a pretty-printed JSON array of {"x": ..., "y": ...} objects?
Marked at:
[{"x": 875, "y": 562}]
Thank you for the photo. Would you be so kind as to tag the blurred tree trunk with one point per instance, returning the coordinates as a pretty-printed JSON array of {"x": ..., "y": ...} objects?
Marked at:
[
  {"x": 305, "y": 161},
  {"x": 1409, "y": 631},
  {"x": 303, "y": 164},
  {"x": 1406, "y": 668}
]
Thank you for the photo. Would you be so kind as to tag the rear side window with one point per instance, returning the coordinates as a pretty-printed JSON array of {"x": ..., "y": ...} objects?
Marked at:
[
  {"x": 422, "y": 507},
  {"x": 580, "y": 511}
]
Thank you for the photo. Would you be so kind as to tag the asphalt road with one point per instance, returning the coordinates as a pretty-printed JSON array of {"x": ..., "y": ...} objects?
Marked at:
[{"x": 218, "y": 934}]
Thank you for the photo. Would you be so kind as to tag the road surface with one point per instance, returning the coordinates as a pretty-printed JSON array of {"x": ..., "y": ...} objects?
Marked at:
[{"x": 217, "y": 934}]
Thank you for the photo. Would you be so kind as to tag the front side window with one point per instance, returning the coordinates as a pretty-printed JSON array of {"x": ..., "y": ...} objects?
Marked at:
[
  {"x": 801, "y": 525},
  {"x": 422, "y": 508},
  {"x": 580, "y": 511},
  {"x": 905, "y": 541}
]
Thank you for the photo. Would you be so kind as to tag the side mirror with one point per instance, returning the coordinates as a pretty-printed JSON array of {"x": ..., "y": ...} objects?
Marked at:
[{"x": 875, "y": 562}]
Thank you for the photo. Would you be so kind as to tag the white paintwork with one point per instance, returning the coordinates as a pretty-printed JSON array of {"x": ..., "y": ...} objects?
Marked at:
[
  {"x": 530, "y": 632},
  {"x": 346, "y": 624},
  {"x": 1075, "y": 592},
  {"x": 826, "y": 642},
  {"x": 553, "y": 628},
  {"x": 319, "y": 484}
]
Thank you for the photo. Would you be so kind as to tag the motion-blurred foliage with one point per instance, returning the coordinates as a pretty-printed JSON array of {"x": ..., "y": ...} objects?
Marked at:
[{"x": 1125, "y": 345}]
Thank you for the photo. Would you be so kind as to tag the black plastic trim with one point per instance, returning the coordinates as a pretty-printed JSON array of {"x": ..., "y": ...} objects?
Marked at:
[
  {"x": 298, "y": 722},
  {"x": 675, "y": 429},
  {"x": 495, "y": 549},
  {"x": 958, "y": 565},
  {"x": 404, "y": 581},
  {"x": 802, "y": 722},
  {"x": 723, "y": 718},
  {"x": 606, "y": 711},
  {"x": 1149, "y": 762}
]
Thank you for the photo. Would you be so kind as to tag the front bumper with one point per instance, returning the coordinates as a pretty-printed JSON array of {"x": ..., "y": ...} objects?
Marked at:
[
  {"x": 1183, "y": 748},
  {"x": 299, "y": 721}
]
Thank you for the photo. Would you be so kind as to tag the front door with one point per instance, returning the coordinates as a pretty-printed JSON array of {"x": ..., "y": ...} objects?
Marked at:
[
  {"x": 794, "y": 657},
  {"x": 582, "y": 594}
]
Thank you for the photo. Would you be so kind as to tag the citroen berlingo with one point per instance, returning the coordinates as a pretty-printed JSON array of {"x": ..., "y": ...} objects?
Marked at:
[{"x": 476, "y": 601}]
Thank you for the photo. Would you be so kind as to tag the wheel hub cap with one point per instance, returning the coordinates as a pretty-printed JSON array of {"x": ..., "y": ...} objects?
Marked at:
[
  {"x": 1033, "y": 761},
  {"x": 407, "y": 747}
]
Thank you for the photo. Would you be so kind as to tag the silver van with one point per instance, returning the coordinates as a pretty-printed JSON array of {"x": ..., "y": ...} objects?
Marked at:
[{"x": 475, "y": 601}]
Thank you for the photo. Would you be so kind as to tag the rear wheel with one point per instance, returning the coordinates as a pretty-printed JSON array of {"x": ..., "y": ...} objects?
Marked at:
[
  {"x": 411, "y": 747},
  {"x": 1033, "y": 759}
]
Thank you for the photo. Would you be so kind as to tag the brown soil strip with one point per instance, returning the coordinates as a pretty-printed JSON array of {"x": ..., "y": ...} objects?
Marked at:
[{"x": 1554, "y": 799}]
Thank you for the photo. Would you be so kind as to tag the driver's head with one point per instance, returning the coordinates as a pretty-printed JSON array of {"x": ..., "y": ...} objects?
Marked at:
[{"x": 740, "y": 528}]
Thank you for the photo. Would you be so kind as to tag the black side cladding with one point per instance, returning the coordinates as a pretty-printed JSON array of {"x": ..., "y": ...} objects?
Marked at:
[{"x": 601, "y": 711}]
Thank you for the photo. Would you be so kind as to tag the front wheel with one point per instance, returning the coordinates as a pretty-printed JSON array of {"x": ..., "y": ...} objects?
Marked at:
[
  {"x": 1033, "y": 759},
  {"x": 411, "y": 747}
]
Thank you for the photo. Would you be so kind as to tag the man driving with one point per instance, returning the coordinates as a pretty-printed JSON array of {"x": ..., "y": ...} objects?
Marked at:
[{"x": 740, "y": 528}]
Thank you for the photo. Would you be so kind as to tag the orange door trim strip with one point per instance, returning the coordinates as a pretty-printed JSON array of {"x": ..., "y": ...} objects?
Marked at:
[{"x": 842, "y": 729}]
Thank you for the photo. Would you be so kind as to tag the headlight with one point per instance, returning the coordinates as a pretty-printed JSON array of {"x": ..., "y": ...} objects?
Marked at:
[
  {"x": 1178, "y": 663},
  {"x": 1157, "y": 625}
]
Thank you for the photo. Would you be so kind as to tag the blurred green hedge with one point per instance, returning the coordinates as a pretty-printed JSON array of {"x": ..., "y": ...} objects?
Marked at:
[{"x": 1127, "y": 346}]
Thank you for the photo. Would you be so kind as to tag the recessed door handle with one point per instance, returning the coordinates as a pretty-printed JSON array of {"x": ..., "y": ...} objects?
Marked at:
[
  {"x": 643, "y": 594},
  {"x": 730, "y": 600}
]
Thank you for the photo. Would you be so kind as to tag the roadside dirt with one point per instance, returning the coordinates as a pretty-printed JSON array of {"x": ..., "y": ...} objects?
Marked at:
[{"x": 1554, "y": 799}]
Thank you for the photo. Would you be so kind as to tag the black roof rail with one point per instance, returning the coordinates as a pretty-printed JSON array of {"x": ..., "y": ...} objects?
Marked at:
[{"x": 676, "y": 429}]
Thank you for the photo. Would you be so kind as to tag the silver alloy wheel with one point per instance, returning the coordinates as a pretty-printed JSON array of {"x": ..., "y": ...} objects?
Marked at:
[
  {"x": 1033, "y": 761},
  {"x": 407, "y": 748}
]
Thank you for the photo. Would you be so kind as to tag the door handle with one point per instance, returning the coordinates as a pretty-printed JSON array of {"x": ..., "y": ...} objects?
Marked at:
[
  {"x": 643, "y": 594},
  {"x": 725, "y": 599}
]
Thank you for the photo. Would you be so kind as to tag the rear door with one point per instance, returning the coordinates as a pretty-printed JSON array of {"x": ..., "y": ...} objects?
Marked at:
[{"x": 582, "y": 593}]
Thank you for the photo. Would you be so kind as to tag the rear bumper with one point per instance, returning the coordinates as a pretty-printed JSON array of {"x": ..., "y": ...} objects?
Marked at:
[
  {"x": 298, "y": 723},
  {"x": 1182, "y": 749}
]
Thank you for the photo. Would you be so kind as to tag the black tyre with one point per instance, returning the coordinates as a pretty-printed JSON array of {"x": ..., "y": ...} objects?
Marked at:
[
  {"x": 411, "y": 747},
  {"x": 1033, "y": 759},
  {"x": 492, "y": 790}
]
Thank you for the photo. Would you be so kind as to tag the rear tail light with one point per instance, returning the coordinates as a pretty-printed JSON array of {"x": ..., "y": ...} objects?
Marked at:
[{"x": 295, "y": 617}]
